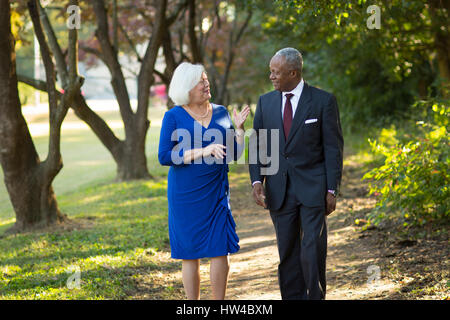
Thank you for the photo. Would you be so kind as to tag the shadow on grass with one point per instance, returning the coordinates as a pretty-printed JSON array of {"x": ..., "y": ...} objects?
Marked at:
[
  {"x": 118, "y": 218},
  {"x": 101, "y": 282}
]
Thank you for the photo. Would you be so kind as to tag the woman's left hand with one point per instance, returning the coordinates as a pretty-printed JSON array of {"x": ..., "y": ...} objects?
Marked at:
[{"x": 240, "y": 118}]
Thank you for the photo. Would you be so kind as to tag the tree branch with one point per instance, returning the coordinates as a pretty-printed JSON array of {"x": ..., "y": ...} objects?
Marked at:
[
  {"x": 115, "y": 29},
  {"x": 111, "y": 61},
  {"x": 244, "y": 26},
  {"x": 130, "y": 42},
  {"x": 173, "y": 17},
  {"x": 54, "y": 45},
  {"x": 145, "y": 77},
  {"x": 90, "y": 50},
  {"x": 193, "y": 42},
  {"x": 162, "y": 76},
  {"x": 35, "y": 83}
]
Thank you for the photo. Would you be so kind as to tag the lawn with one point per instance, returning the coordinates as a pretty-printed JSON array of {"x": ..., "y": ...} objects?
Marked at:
[{"x": 118, "y": 226}]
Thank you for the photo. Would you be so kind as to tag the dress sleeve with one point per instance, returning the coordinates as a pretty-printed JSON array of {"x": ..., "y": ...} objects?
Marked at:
[{"x": 170, "y": 152}]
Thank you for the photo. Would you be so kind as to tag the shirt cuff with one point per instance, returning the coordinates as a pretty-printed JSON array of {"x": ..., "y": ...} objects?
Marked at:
[{"x": 255, "y": 182}]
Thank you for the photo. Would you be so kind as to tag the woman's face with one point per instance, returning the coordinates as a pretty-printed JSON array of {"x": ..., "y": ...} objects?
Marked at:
[{"x": 200, "y": 93}]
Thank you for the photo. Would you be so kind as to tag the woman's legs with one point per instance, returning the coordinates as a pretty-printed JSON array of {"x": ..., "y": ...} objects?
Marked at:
[
  {"x": 191, "y": 278},
  {"x": 219, "y": 275}
]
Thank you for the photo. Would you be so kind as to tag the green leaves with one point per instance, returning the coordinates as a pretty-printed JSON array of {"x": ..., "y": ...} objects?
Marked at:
[{"x": 414, "y": 179}]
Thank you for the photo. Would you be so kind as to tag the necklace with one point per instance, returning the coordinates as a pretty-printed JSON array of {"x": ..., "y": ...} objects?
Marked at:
[{"x": 202, "y": 116}]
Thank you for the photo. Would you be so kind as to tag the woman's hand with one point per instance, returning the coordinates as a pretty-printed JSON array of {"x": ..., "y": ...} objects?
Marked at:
[
  {"x": 240, "y": 118},
  {"x": 215, "y": 150}
]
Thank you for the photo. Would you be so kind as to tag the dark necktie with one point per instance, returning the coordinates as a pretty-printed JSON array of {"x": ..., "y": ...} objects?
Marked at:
[{"x": 287, "y": 117}]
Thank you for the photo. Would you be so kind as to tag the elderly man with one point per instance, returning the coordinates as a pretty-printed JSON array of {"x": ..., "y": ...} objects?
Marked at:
[{"x": 302, "y": 193}]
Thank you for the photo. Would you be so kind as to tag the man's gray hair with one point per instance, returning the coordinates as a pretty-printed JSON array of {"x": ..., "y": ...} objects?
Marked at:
[{"x": 293, "y": 58}]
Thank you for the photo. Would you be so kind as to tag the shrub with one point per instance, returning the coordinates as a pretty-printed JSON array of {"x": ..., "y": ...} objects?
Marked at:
[{"x": 413, "y": 181}]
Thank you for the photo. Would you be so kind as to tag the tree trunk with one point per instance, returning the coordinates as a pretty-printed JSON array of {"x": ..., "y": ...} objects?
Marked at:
[
  {"x": 439, "y": 13},
  {"x": 442, "y": 42},
  {"x": 132, "y": 161},
  {"x": 193, "y": 41},
  {"x": 129, "y": 154},
  {"x": 26, "y": 178}
]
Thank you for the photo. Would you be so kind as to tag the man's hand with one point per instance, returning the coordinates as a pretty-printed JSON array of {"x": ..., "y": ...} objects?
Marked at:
[
  {"x": 259, "y": 195},
  {"x": 330, "y": 203}
]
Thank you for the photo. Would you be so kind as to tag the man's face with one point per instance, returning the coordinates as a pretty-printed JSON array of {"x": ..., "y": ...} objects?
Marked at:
[{"x": 283, "y": 78}]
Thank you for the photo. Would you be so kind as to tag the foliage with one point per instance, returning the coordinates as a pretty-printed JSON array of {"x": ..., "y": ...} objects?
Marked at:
[
  {"x": 414, "y": 179},
  {"x": 376, "y": 74},
  {"x": 250, "y": 76}
]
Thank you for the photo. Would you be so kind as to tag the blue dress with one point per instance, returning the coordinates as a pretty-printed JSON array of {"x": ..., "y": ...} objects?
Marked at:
[{"x": 200, "y": 220}]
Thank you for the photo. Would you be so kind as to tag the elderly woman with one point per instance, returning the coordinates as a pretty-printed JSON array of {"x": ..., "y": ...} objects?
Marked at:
[{"x": 197, "y": 140}]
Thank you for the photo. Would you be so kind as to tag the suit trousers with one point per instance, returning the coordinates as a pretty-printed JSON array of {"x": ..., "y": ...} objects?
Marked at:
[{"x": 302, "y": 246}]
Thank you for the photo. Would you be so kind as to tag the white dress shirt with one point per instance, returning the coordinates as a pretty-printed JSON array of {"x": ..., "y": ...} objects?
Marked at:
[{"x": 297, "y": 92}]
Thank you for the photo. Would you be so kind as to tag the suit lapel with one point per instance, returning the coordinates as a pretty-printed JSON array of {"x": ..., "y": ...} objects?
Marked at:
[{"x": 303, "y": 107}]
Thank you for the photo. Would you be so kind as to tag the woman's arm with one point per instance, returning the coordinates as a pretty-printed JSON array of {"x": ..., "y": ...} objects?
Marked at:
[
  {"x": 215, "y": 150},
  {"x": 240, "y": 136},
  {"x": 238, "y": 140},
  {"x": 168, "y": 154}
]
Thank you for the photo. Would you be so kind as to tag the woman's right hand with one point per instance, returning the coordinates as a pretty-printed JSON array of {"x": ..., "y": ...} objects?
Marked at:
[{"x": 215, "y": 150}]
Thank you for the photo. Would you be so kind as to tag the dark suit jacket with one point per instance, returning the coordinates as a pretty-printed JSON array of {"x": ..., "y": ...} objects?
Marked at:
[{"x": 312, "y": 155}]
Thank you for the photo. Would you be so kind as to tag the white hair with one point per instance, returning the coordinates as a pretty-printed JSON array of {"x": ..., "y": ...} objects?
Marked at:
[
  {"x": 185, "y": 77},
  {"x": 293, "y": 58}
]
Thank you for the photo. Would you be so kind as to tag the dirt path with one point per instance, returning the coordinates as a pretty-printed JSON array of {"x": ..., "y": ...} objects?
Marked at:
[
  {"x": 254, "y": 268},
  {"x": 354, "y": 257}
]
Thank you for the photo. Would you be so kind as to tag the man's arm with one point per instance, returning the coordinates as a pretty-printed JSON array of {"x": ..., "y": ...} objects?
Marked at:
[
  {"x": 255, "y": 168},
  {"x": 333, "y": 144}
]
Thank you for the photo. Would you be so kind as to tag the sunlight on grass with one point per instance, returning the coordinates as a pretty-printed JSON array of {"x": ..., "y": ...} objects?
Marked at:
[
  {"x": 91, "y": 199},
  {"x": 90, "y": 163},
  {"x": 7, "y": 221},
  {"x": 128, "y": 228}
]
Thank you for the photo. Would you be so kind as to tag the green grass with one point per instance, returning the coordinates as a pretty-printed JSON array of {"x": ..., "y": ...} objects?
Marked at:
[
  {"x": 125, "y": 224},
  {"x": 122, "y": 225}
]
